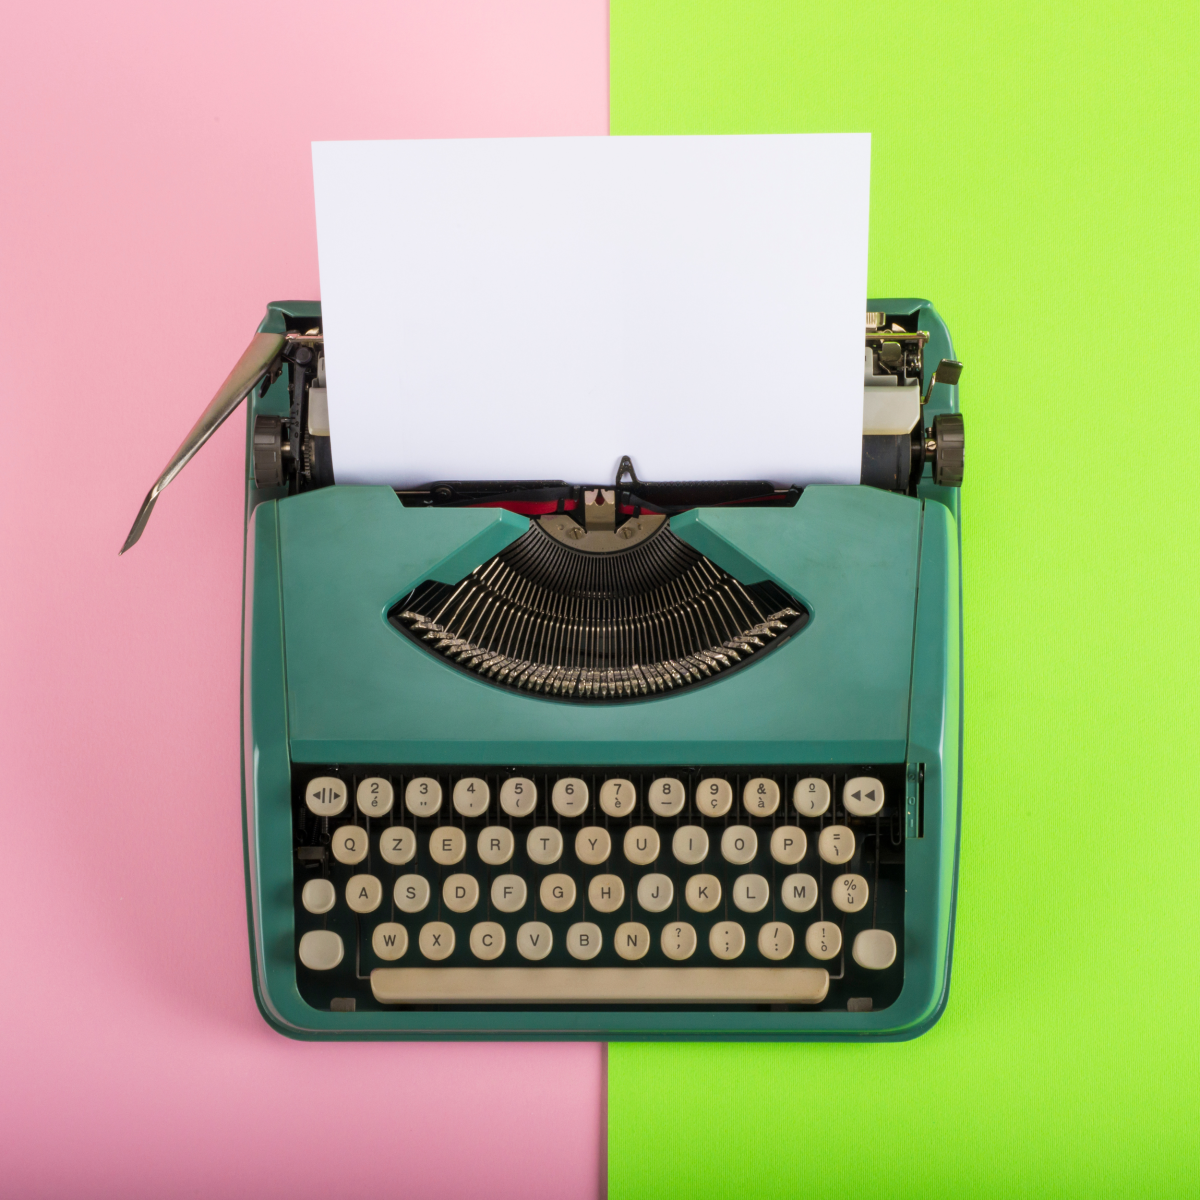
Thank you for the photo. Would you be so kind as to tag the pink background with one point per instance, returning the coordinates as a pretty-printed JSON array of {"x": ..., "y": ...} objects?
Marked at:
[{"x": 156, "y": 190}]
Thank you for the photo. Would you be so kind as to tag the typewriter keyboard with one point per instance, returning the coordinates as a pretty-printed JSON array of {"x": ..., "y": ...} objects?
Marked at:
[{"x": 700, "y": 886}]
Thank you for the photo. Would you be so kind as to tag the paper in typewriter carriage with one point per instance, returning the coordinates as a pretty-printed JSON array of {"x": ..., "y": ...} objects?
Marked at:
[{"x": 535, "y": 308}]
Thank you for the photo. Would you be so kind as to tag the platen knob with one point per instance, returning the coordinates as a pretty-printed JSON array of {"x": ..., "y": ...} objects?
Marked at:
[
  {"x": 947, "y": 447},
  {"x": 268, "y": 451}
]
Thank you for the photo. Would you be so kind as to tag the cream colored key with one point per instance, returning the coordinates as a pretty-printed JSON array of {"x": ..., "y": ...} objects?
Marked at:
[
  {"x": 727, "y": 939},
  {"x": 633, "y": 984},
  {"x": 593, "y": 845},
  {"x": 823, "y": 940},
  {"x": 874, "y": 949},
  {"x": 666, "y": 797},
  {"x": 836, "y": 844},
  {"x": 863, "y": 796},
  {"x": 436, "y": 940},
  {"x": 690, "y": 844},
  {"x": 788, "y": 844},
  {"x": 714, "y": 797},
  {"x": 318, "y": 896},
  {"x": 447, "y": 845},
  {"x": 389, "y": 941},
  {"x": 642, "y": 845},
  {"x": 325, "y": 796},
  {"x": 487, "y": 940},
  {"x": 776, "y": 941},
  {"x": 363, "y": 893},
  {"x": 518, "y": 796},
  {"x": 534, "y": 940},
  {"x": 618, "y": 797},
  {"x": 495, "y": 845},
  {"x": 321, "y": 950},
  {"x": 411, "y": 893},
  {"x": 606, "y": 893},
  {"x": 631, "y": 940},
  {"x": 397, "y": 845},
  {"x": 471, "y": 797},
  {"x": 798, "y": 892},
  {"x": 509, "y": 893},
  {"x": 702, "y": 893},
  {"x": 760, "y": 797},
  {"x": 557, "y": 892},
  {"x": 750, "y": 893},
  {"x": 375, "y": 797},
  {"x": 678, "y": 941},
  {"x": 544, "y": 845},
  {"x": 850, "y": 893},
  {"x": 739, "y": 845},
  {"x": 811, "y": 797},
  {"x": 349, "y": 844},
  {"x": 569, "y": 797},
  {"x": 423, "y": 796},
  {"x": 460, "y": 892},
  {"x": 584, "y": 940},
  {"x": 655, "y": 893}
]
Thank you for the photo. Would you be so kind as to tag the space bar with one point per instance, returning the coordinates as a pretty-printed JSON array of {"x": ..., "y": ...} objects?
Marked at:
[{"x": 599, "y": 985}]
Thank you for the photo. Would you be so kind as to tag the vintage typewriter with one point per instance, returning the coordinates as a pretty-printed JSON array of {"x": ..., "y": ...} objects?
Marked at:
[{"x": 634, "y": 760}]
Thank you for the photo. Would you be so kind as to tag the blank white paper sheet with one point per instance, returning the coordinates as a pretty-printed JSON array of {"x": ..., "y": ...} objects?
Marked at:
[{"x": 534, "y": 308}]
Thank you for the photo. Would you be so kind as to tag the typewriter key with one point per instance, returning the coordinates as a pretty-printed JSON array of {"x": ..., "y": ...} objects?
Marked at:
[
  {"x": 863, "y": 796},
  {"x": 776, "y": 941},
  {"x": 544, "y": 845},
  {"x": 436, "y": 940},
  {"x": 389, "y": 941},
  {"x": 618, "y": 797},
  {"x": 760, "y": 797},
  {"x": 798, "y": 892},
  {"x": 739, "y": 845},
  {"x": 666, "y": 797},
  {"x": 632, "y": 940},
  {"x": 495, "y": 845},
  {"x": 584, "y": 940},
  {"x": 788, "y": 844},
  {"x": 823, "y": 940},
  {"x": 836, "y": 844},
  {"x": 714, "y": 797},
  {"x": 411, "y": 893},
  {"x": 471, "y": 797},
  {"x": 518, "y": 797},
  {"x": 642, "y": 845},
  {"x": 751, "y": 893},
  {"x": 690, "y": 844},
  {"x": 321, "y": 950},
  {"x": 678, "y": 941},
  {"x": 423, "y": 797},
  {"x": 811, "y": 797},
  {"x": 375, "y": 797},
  {"x": 325, "y": 796},
  {"x": 318, "y": 896},
  {"x": 850, "y": 892},
  {"x": 655, "y": 893},
  {"x": 569, "y": 797},
  {"x": 447, "y": 845},
  {"x": 349, "y": 844},
  {"x": 397, "y": 845},
  {"x": 363, "y": 893},
  {"x": 874, "y": 949},
  {"x": 487, "y": 940},
  {"x": 460, "y": 893},
  {"x": 702, "y": 893},
  {"x": 606, "y": 893},
  {"x": 557, "y": 893},
  {"x": 727, "y": 939},
  {"x": 593, "y": 845},
  {"x": 534, "y": 940},
  {"x": 509, "y": 893}
]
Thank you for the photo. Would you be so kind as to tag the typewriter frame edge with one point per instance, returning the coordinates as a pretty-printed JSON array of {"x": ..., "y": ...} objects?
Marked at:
[{"x": 285, "y": 1011}]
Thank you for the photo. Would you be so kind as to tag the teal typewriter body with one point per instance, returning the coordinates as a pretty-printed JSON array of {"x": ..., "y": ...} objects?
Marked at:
[{"x": 451, "y": 834}]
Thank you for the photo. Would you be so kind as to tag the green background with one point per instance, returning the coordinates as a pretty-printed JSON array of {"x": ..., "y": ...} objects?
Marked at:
[{"x": 1034, "y": 174}]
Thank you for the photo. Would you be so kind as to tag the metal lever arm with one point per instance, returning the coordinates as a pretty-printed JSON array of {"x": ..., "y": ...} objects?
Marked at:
[{"x": 250, "y": 368}]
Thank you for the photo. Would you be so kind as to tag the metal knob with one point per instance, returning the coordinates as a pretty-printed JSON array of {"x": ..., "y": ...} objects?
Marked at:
[{"x": 268, "y": 451}]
